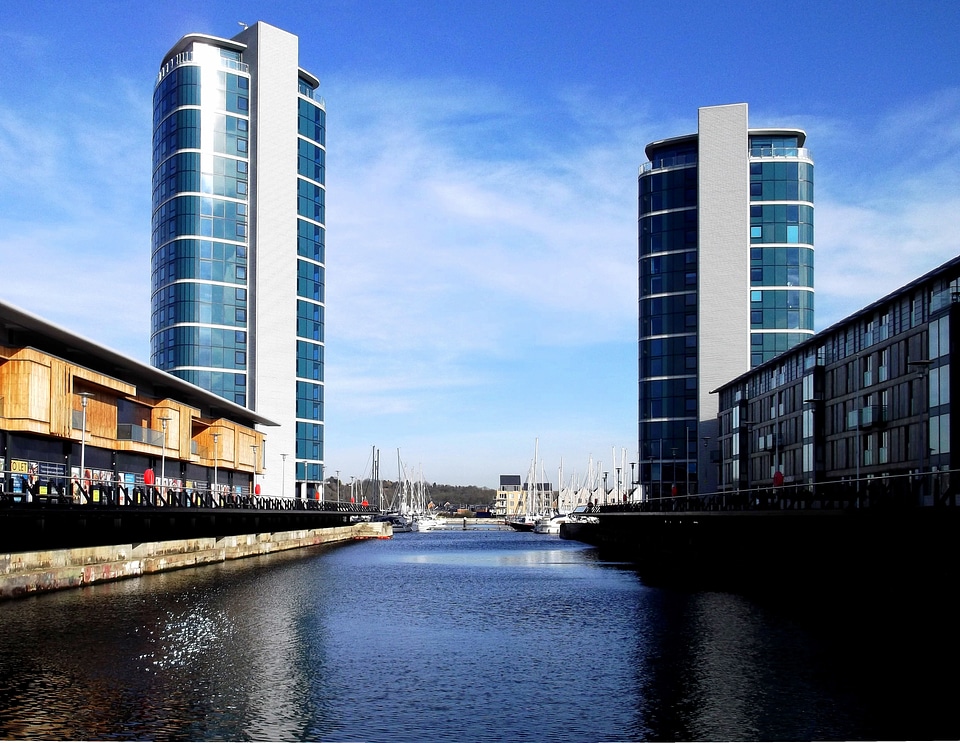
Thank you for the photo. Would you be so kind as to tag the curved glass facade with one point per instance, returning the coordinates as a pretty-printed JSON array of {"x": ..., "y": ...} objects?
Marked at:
[
  {"x": 668, "y": 316},
  {"x": 767, "y": 293},
  {"x": 200, "y": 219},
  {"x": 311, "y": 193},
  {"x": 781, "y": 246}
]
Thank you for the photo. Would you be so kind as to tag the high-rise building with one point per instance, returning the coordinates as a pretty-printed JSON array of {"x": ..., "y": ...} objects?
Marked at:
[
  {"x": 726, "y": 280},
  {"x": 238, "y": 238}
]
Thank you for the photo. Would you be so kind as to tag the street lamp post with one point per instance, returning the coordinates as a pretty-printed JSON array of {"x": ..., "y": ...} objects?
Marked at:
[
  {"x": 338, "y": 486},
  {"x": 216, "y": 460},
  {"x": 84, "y": 397},
  {"x": 660, "y": 491},
  {"x": 253, "y": 448},
  {"x": 651, "y": 478},
  {"x": 163, "y": 455},
  {"x": 604, "y": 488},
  {"x": 673, "y": 470},
  {"x": 924, "y": 373},
  {"x": 633, "y": 481},
  {"x": 283, "y": 475}
]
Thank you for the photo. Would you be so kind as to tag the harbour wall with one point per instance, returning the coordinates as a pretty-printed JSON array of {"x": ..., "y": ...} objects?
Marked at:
[
  {"x": 26, "y": 573},
  {"x": 867, "y": 548}
]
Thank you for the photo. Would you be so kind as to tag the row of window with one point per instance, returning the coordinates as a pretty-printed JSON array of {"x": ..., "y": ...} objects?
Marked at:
[
  {"x": 224, "y": 310},
  {"x": 184, "y": 335},
  {"x": 309, "y": 441},
  {"x": 782, "y": 319},
  {"x": 766, "y": 346},
  {"x": 310, "y": 160},
  {"x": 180, "y": 173},
  {"x": 310, "y": 240},
  {"x": 666, "y": 440},
  {"x": 668, "y": 407},
  {"x": 182, "y": 87},
  {"x": 310, "y": 280},
  {"x": 782, "y": 276},
  {"x": 310, "y": 401},
  {"x": 228, "y": 385},
  {"x": 780, "y": 299},
  {"x": 312, "y": 122},
  {"x": 310, "y": 201},
  {"x": 309, "y": 360}
]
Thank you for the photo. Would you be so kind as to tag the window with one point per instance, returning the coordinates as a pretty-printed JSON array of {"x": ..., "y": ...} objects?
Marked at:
[{"x": 757, "y": 232}]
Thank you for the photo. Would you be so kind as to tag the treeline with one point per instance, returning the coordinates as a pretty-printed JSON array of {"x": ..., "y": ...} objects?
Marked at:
[{"x": 438, "y": 493}]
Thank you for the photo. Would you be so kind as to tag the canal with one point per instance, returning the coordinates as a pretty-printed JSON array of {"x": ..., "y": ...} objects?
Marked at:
[{"x": 466, "y": 636}]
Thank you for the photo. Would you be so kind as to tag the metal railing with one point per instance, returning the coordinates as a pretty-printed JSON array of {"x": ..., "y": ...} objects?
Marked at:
[
  {"x": 904, "y": 491},
  {"x": 62, "y": 492}
]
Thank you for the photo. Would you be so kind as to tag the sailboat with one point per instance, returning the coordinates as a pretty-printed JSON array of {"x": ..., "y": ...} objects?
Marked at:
[{"x": 527, "y": 520}]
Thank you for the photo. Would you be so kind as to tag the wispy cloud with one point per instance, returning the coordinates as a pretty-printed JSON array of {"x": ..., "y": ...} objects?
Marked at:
[
  {"x": 75, "y": 227},
  {"x": 883, "y": 211}
]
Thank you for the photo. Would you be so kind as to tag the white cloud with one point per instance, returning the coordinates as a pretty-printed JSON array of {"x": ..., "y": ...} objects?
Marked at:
[{"x": 884, "y": 215}]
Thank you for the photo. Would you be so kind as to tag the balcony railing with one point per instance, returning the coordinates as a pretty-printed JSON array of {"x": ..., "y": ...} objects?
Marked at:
[
  {"x": 131, "y": 432},
  {"x": 669, "y": 162},
  {"x": 871, "y": 415},
  {"x": 792, "y": 152},
  {"x": 186, "y": 57}
]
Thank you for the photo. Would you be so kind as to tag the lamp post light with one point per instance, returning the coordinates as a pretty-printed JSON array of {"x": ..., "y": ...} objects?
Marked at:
[
  {"x": 163, "y": 454},
  {"x": 673, "y": 470},
  {"x": 84, "y": 397},
  {"x": 660, "y": 491},
  {"x": 651, "y": 478},
  {"x": 253, "y": 448},
  {"x": 924, "y": 373},
  {"x": 216, "y": 460}
]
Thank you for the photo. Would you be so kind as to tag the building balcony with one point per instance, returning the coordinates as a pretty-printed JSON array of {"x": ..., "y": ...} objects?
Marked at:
[
  {"x": 794, "y": 153},
  {"x": 867, "y": 417},
  {"x": 669, "y": 162}
]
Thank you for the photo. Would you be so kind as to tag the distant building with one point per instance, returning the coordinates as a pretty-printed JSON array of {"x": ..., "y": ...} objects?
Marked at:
[
  {"x": 75, "y": 414},
  {"x": 509, "y": 495},
  {"x": 726, "y": 280},
  {"x": 865, "y": 403},
  {"x": 237, "y": 263}
]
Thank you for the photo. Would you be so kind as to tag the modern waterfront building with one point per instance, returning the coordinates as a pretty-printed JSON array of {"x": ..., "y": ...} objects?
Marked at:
[
  {"x": 862, "y": 410},
  {"x": 78, "y": 420},
  {"x": 237, "y": 263},
  {"x": 726, "y": 280}
]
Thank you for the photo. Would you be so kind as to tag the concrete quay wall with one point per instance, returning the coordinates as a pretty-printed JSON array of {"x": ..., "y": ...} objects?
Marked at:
[{"x": 25, "y": 573}]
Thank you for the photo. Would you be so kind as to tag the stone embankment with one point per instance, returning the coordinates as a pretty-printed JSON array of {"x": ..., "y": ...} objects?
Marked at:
[{"x": 24, "y": 573}]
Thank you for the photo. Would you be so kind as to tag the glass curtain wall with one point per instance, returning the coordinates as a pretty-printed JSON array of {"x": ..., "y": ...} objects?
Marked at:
[
  {"x": 668, "y": 319},
  {"x": 310, "y": 285},
  {"x": 199, "y": 227}
]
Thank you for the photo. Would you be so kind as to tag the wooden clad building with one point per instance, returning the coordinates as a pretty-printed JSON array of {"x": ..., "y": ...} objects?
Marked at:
[{"x": 140, "y": 423}]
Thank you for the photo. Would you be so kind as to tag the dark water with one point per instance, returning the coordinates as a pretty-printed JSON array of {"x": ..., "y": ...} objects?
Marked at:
[{"x": 463, "y": 636}]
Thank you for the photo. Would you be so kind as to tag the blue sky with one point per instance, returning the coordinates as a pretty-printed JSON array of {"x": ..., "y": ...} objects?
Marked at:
[{"x": 481, "y": 189}]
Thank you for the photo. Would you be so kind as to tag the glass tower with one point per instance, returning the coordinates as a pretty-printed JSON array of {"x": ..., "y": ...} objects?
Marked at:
[
  {"x": 237, "y": 265},
  {"x": 726, "y": 281}
]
